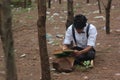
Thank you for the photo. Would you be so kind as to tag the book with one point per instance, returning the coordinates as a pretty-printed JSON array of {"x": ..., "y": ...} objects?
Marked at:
[{"x": 63, "y": 53}]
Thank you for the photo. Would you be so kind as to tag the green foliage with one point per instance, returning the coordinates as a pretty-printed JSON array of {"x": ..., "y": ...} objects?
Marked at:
[
  {"x": 84, "y": 67},
  {"x": 21, "y": 3},
  {"x": 17, "y": 0},
  {"x": 86, "y": 64}
]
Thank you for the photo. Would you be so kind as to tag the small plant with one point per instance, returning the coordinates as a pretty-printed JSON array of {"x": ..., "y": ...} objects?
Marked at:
[{"x": 86, "y": 64}]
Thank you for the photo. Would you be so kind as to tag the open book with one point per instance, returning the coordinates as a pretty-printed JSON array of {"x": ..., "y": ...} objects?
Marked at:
[{"x": 63, "y": 53}]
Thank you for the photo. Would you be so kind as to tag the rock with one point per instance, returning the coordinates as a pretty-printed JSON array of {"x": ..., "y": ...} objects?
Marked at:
[
  {"x": 98, "y": 17},
  {"x": 23, "y": 55},
  {"x": 113, "y": 7},
  {"x": 47, "y": 12},
  {"x": 117, "y": 74},
  {"x": 2, "y": 56},
  {"x": 50, "y": 42},
  {"x": 104, "y": 28},
  {"x": 52, "y": 69},
  {"x": 34, "y": 58},
  {"x": 85, "y": 77},
  {"x": 109, "y": 45},
  {"x": 98, "y": 44},
  {"x": 105, "y": 68},
  {"x": 56, "y": 27},
  {"x": 55, "y": 43},
  {"x": 56, "y": 14},
  {"x": 97, "y": 11},
  {"x": 48, "y": 36},
  {"x": 60, "y": 36},
  {"x": 118, "y": 30},
  {"x": 2, "y": 72},
  {"x": 65, "y": 11},
  {"x": 51, "y": 58}
]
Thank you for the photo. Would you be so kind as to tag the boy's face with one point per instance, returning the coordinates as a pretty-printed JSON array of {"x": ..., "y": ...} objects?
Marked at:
[{"x": 80, "y": 30}]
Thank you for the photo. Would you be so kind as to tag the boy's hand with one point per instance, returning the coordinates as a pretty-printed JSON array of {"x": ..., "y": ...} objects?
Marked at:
[
  {"x": 64, "y": 47},
  {"x": 76, "y": 53}
]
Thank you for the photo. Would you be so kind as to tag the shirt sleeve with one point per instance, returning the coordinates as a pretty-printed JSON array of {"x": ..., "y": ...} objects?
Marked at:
[
  {"x": 92, "y": 35},
  {"x": 68, "y": 36}
]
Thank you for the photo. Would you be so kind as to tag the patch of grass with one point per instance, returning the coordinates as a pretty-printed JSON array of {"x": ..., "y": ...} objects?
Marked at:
[{"x": 86, "y": 65}]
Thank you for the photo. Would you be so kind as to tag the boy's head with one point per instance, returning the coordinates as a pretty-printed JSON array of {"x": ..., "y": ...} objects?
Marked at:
[{"x": 79, "y": 21}]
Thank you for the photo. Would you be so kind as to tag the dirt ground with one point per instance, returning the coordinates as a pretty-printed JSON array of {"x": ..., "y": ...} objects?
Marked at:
[{"x": 107, "y": 61}]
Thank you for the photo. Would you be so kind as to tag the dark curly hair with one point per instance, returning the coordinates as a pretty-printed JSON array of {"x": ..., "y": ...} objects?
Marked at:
[{"x": 79, "y": 21}]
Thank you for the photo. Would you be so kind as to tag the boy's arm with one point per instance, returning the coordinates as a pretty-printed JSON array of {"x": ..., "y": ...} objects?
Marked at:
[
  {"x": 65, "y": 46},
  {"x": 77, "y": 53}
]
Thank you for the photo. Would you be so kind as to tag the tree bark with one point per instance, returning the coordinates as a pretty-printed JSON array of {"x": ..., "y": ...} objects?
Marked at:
[
  {"x": 0, "y": 16},
  {"x": 25, "y": 4},
  {"x": 41, "y": 23},
  {"x": 70, "y": 14},
  {"x": 107, "y": 10},
  {"x": 59, "y": 1},
  {"x": 87, "y": 1},
  {"x": 7, "y": 39},
  {"x": 99, "y": 6},
  {"x": 49, "y": 3},
  {"x": 30, "y": 2}
]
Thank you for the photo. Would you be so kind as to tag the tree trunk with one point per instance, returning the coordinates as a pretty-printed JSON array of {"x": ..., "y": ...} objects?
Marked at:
[
  {"x": 0, "y": 17},
  {"x": 30, "y": 2},
  {"x": 42, "y": 40},
  {"x": 107, "y": 10},
  {"x": 99, "y": 6},
  {"x": 7, "y": 40},
  {"x": 70, "y": 14},
  {"x": 59, "y": 1},
  {"x": 49, "y": 3},
  {"x": 107, "y": 22},
  {"x": 25, "y": 4},
  {"x": 87, "y": 1}
]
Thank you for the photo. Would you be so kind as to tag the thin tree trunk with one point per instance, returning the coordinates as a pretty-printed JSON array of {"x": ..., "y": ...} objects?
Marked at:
[
  {"x": 29, "y": 1},
  {"x": 107, "y": 22},
  {"x": 25, "y": 3},
  {"x": 42, "y": 40},
  {"x": 87, "y": 1},
  {"x": 70, "y": 14},
  {"x": 59, "y": 1},
  {"x": 7, "y": 40},
  {"x": 49, "y": 3},
  {"x": 0, "y": 17},
  {"x": 107, "y": 10},
  {"x": 99, "y": 6}
]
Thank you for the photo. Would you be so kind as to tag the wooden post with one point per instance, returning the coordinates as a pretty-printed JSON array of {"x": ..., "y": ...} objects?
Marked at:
[
  {"x": 7, "y": 39},
  {"x": 41, "y": 23}
]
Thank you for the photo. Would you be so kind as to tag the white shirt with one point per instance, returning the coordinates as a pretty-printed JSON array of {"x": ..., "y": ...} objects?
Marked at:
[{"x": 81, "y": 38}]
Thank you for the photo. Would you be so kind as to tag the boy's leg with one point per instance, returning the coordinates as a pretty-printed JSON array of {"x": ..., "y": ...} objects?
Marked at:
[
  {"x": 79, "y": 58},
  {"x": 84, "y": 57},
  {"x": 87, "y": 56},
  {"x": 90, "y": 55}
]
